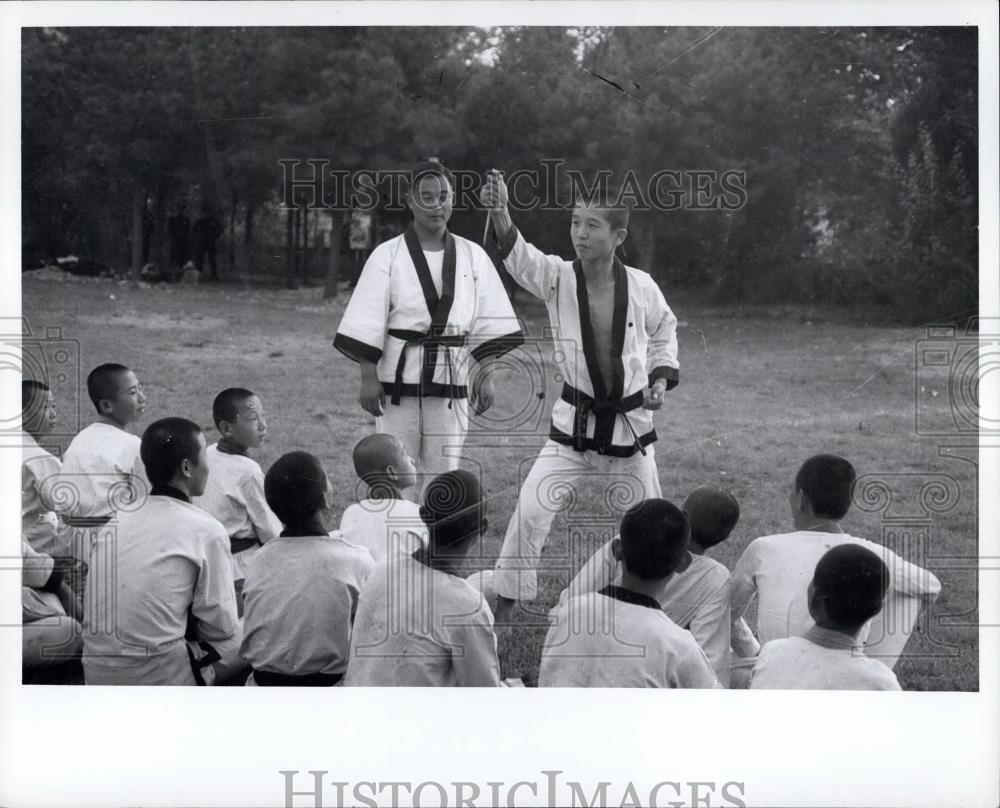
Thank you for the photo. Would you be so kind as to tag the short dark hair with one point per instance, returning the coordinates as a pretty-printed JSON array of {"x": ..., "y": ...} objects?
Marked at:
[
  {"x": 30, "y": 388},
  {"x": 427, "y": 168},
  {"x": 165, "y": 444},
  {"x": 102, "y": 382},
  {"x": 453, "y": 508},
  {"x": 654, "y": 537},
  {"x": 712, "y": 513},
  {"x": 294, "y": 487},
  {"x": 373, "y": 453},
  {"x": 852, "y": 581},
  {"x": 226, "y": 404},
  {"x": 609, "y": 200},
  {"x": 827, "y": 482}
]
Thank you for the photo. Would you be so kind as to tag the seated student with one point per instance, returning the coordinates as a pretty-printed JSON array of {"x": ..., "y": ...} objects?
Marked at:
[
  {"x": 847, "y": 590},
  {"x": 50, "y": 614},
  {"x": 619, "y": 636},
  {"x": 160, "y": 608},
  {"x": 302, "y": 588},
  {"x": 777, "y": 569},
  {"x": 419, "y": 623},
  {"x": 39, "y": 472},
  {"x": 384, "y": 521},
  {"x": 696, "y": 597},
  {"x": 235, "y": 491},
  {"x": 100, "y": 464}
]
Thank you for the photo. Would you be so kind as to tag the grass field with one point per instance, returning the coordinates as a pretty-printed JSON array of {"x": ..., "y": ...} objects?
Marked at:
[{"x": 761, "y": 389}]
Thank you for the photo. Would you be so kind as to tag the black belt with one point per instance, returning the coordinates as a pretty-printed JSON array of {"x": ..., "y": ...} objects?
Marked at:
[
  {"x": 430, "y": 343},
  {"x": 86, "y": 521},
  {"x": 605, "y": 413},
  {"x": 239, "y": 545},
  {"x": 268, "y": 679}
]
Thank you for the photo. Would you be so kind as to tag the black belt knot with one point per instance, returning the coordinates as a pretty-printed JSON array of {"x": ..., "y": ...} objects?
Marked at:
[
  {"x": 430, "y": 343},
  {"x": 605, "y": 413}
]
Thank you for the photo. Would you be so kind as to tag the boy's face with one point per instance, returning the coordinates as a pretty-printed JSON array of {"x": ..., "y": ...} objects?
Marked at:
[
  {"x": 405, "y": 468},
  {"x": 129, "y": 401},
  {"x": 40, "y": 417},
  {"x": 249, "y": 428},
  {"x": 430, "y": 203},
  {"x": 592, "y": 235}
]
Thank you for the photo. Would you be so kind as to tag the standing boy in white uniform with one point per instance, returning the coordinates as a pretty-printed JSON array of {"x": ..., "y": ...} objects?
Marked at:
[
  {"x": 626, "y": 359},
  {"x": 620, "y": 636},
  {"x": 235, "y": 491},
  {"x": 159, "y": 607},
  {"x": 101, "y": 466},
  {"x": 384, "y": 521},
  {"x": 847, "y": 590},
  {"x": 777, "y": 569},
  {"x": 427, "y": 303}
]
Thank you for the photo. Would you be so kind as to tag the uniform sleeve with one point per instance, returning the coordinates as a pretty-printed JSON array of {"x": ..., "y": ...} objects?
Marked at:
[
  {"x": 361, "y": 332},
  {"x": 743, "y": 586},
  {"x": 475, "y": 658},
  {"x": 36, "y": 568},
  {"x": 496, "y": 328},
  {"x": 530, "y": 267},
  {"x": 40, "y": 474},
  {"x": 694, "y": 671},
  {"x": 661, "y": 326},
  {"x": 906, "y": 578},
  {"x": 710, "y": 628},
  {"x": 214, "y": 603},
  {"x": 265, "y": 524}
]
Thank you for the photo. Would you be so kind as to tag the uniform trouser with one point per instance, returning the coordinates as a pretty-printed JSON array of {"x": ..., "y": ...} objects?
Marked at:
[
  {"x": 432, "y": 431},
  {"x": 625, "y": 481}
]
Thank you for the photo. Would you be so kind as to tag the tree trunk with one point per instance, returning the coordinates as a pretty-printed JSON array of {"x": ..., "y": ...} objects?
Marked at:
[
  {"x": 232, "y": 236},
  {"x": 306, "y": 254},
  {"x": 135, "y": 242},
  {"x": 333, "y": 260},
  {"x": 249, "y": 246},
  {"x": 290, "y": 249}
]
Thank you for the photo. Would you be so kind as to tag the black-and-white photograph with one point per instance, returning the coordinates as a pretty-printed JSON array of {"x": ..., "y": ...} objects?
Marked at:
[{"x": 501, "y": 356}]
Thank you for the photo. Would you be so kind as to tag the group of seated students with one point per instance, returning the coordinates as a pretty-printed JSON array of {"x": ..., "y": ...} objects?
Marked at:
[{"x": 202, "y": 569}]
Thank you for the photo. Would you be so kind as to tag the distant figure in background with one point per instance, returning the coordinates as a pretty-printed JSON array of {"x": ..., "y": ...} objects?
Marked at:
[
  {"x": 179, "y": 230},
  {"x": 359, "y": 239},
  {"x": 207, "y": 229}
]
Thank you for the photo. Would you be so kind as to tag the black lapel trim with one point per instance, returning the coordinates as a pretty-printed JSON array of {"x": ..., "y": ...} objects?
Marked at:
[
  {"x": 439, "y": 314},
  {"x": 423, "y": 271},
  {"x": 618, "y": 330},
  {"x": 587, "y": 332},
  {"x": 628, "y": 596}
]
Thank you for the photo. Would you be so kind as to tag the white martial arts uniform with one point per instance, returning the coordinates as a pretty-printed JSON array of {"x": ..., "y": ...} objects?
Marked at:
[
  {"x": 39, "y": 523},
  {"x": 620, "y": 638},
  {"x": 420, "y": 317},
  {"x": 599, "y": 425},
  {"x": 384, "y": 526},
  {"x": 301, "y": 595},
  {"x": 777, "y": 570},
  {"x": 696, "y": 599},
  {"x": 421, "y": 627},
  {"x": 49, "y": 635},
  {"x": 235, "y": 496},
  {"x": 821, "y": 659},
  {"x": 101, "y": 474},
  {"x": 162, "y": 578}
]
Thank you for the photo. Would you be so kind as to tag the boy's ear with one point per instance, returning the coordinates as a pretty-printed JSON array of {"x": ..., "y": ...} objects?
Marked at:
[
  {"x": 225, "y": 427},
  {"x": 616, "y": 548},
  {"x": 622, "y": 235},
  {"x": 817, "y": 610},
  {"x": 185, "y": 467},
  {"x": 391, "y": 473},
  {"x": 104, "y": 406}
]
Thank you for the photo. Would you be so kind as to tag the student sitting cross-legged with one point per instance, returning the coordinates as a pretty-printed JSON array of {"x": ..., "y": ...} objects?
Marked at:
[
  {"x": 419, "y": 622},
  {"x": 696, "y": 597},
  {"x": 776, "y": 570},
  {"x": 301, "y": 588},
  {"x": 847, "y": 590},
  {"x": 235, "y": 491},
  {"x": 159, "y": 605},
  {"x": 384, "y": 521},
  {"x": 619, "y": 636}
]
